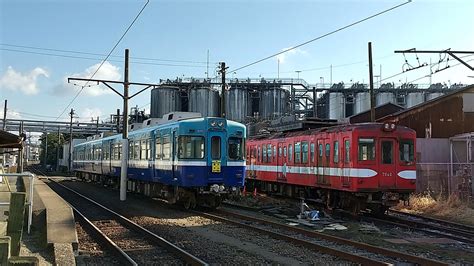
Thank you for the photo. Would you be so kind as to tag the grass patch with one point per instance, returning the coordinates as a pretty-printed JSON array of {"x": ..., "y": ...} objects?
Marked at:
[{"x": 450, "y": 208}]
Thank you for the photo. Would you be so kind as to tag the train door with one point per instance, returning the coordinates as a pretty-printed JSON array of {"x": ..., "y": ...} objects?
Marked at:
[
  {"x": 281, "y": 162},
  {"x": 388, "y": 171},
  {"x": 216, "y": 155},
  {"x": 346, "y": 182}
]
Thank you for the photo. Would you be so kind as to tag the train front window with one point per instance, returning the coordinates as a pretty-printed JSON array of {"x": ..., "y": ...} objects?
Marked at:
[
  {"x": 407, "y": 151},
  {"x": 190, "y": 147},
  {"x": 216, "y": 148},
  {"x": 235, "y": 148},
  {"x": 366, "y": 149}
]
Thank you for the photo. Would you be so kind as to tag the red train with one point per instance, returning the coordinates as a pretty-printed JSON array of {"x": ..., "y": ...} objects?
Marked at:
[{"x": 353, "y": 167}]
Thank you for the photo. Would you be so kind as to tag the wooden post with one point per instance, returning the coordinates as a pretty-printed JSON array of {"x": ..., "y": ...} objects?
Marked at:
[{"x": 15, "y": 220}]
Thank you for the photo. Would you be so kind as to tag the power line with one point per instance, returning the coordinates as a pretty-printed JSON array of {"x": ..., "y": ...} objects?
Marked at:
[
  {"x": 87, "y": 53},
  {"x": 322, "y": 36},
  {"x": 102, "y": 63}
]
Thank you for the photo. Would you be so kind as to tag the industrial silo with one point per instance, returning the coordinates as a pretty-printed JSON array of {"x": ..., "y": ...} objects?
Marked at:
[
  {"x": 238, "y": 104},
  {"x": 362, "y": 102},
  {"x": 273, "y": 102},
  {"x": 415, "y": 98},
  {"x": 204, "y": 100},
  {"x": 385, "y": 97},
  {"x": 164, "y": 99},
  {"x": 336, "y": 105}
]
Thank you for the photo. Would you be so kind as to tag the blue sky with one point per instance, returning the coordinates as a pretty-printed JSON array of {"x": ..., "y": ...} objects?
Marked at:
[{"x": 237, "y": 32}]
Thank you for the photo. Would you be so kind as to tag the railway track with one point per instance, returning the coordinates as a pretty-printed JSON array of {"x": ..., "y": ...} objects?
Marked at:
[
  {"x": 133, "y": 244},
  {"x": 350, "y": 250},
  {"x": 440, "y": 228}
]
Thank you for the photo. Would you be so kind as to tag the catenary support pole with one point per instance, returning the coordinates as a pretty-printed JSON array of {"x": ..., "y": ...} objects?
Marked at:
[
  {"x": 123, "y": 172},
  {"x": 371, "y": 84},
  {"x": 5, "y": 116},
  {"x": 69, "y": 160},
  {"x": 223, "y": 90}
]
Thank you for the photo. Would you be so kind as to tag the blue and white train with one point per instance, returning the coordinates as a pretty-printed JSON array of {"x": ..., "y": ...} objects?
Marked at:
[{"x": 196, "y": 161}]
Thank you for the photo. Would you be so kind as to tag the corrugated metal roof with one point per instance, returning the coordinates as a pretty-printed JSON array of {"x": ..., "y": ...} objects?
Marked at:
[{"x": 9, "y": 140}]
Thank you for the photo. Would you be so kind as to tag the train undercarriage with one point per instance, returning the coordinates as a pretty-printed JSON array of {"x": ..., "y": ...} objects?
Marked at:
[
  {"x": 189, "y": 198},
  {"x": 373, "y": 201}
]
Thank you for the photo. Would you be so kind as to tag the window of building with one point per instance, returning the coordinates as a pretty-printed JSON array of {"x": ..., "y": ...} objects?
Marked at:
[
  {"x": 336, "y": 152},
  {"x": 366, "y": 149}
]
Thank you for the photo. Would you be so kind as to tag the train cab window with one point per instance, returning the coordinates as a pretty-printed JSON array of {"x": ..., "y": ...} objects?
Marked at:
[
  {"x": 166, "y": 148},
  {"x": 347, "y": 151},
  {"x": 158, "y": 148},
  {"x": 366, "y": 149},
  {"x": 290, "y": 153},
  {"x": 190, "y": 147},
  {"x": 235, "y": 149},
  {"x": 312, "y": 152},
  {"x": 297, "y": 152},
  {"x": 216, "y": 148},
  {"x": 336, "y": 152},
  {"x": 387, "y": 152},
  {"x": 407, "y": 151},
  {"x": 304, "y": 150}
]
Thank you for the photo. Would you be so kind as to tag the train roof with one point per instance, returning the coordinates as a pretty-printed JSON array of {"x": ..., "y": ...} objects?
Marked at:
[{"x": 332, "y": 129}]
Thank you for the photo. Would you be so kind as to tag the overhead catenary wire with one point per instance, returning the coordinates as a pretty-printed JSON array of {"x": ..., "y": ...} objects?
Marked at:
[
  {"x": 322, "y": 36},
  {"x": 108, "y": 55}
]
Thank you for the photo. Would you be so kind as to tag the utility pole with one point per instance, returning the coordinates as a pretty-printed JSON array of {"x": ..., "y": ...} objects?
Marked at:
[
  {"x": 125, "y": 97},
  {"x": 46, "y": 150},
  {"x": 118, "y": 120},
  {"x": 69, "y": 160},
  {"x": 223, "y": 69},
  {"x": 20, "y": 152},
  {"x": 57, "y": 150},
  {"x": 371, "y": 84},
  {"x": 123, "y": 172},
  {"x": 5, "y": 116}
]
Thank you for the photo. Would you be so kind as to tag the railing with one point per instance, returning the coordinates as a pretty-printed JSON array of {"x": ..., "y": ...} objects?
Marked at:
[{"x": 30, "y": 198}]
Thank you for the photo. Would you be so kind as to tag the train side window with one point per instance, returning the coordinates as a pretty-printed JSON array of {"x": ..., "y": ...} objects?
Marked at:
[
  {"x": 328, "y": 150},
  {"x": 304, "y": 149},
  {"x": 258, "y": 154},
  {"x": 143, "y": 149},
  {"x": 284, "y": 151},
  {"x": 407, "y": 151},
  {"x": 130, "y": 150},
  {"x": 320, "y": 152},
  {"x": 336, "y": 151},
  {"x": 166, "y": 148},
  {"x": 279, "y": 152},
  {"x": 136, "y": 150},
  {"x": 312, "y": 152},
  {"x": 366, "y": 149},
  {"x": 347, "y": 151},
  {"x": 119, "y": 151},
  {"x": 269, "y": 152},
  {"x": 274, "y": 153},
  {"x": 264, "y": 153},
  {"x": 290, "y": 153},
  {"x": 191, "y": 147},
  {"x": 158, "y": 147},
  {"x": 216, "y": 147},
  {"x": 297, "y": 152}
]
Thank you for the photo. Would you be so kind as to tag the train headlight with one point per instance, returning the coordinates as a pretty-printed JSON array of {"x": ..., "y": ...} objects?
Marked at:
[
  {"x": 389, "y": 127},
  {"x": 213, "y": 123},
  {"x": 221, "y": 124},
  {"x": 221, "y": 188}
]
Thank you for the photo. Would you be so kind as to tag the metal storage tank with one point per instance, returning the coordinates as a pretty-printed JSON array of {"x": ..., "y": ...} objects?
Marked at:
[
  {"x": 431, "y": 96},
  {"x": 362, "y": 102},
  {"x": 238, "y": 104},
  {"x": 273, "y": 102},
  {"x": 336, "y": 105},
  {"x": 164, "y": 99},
  {"x": 204, "y": 100},
  {"x": 385, "y": 97},
  {"x": 415, "y": 98}
]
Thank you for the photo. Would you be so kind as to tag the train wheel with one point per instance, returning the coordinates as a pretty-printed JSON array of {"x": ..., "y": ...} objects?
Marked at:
[{"x": 190, "y": 201}]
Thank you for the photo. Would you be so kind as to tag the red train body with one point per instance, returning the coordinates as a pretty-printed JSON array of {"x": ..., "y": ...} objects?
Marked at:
[{"x": 356, "y": 166}]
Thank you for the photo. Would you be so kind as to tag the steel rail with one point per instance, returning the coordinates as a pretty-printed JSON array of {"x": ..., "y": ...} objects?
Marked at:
[
  {"x": 331, "y": 251},
  {"x": 189, "y": 258},
  {"x": 458, "y": 226},
  {"x": 370, "y": 248},
  {"x": 122, "y": 255}
]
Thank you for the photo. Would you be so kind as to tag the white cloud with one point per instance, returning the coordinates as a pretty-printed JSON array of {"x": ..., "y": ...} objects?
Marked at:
[
  {"x": 24, "y": 82},
  {"x": 107, "y": 72},
  {"x": 88, "y": 114},
  {"x": 11, "y": 114},
  {"x": 284, "y": 56}
]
